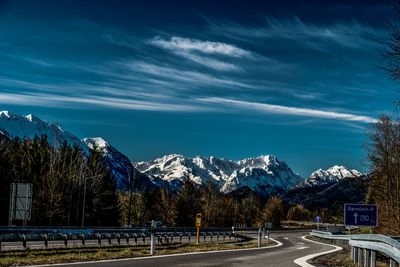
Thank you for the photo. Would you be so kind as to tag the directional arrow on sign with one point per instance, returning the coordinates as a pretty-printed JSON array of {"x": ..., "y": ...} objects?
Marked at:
[{"x": 355, "y": 217}]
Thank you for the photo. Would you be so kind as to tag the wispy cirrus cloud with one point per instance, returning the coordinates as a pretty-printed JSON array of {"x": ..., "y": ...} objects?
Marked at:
[
  {"x": 280, "y": 109},
  {"x": 351, "y": 35},
  {"x": 195, "y": 51},
  {"x": 74, "y": 102},
  {"x": 207, "y": 47}
]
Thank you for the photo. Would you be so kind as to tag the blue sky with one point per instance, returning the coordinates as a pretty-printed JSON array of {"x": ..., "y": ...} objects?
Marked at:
[{"x": 297, "y": 80}]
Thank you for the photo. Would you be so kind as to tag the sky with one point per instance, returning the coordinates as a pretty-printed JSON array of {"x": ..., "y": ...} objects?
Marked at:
[{"x": 301, "y": 80}]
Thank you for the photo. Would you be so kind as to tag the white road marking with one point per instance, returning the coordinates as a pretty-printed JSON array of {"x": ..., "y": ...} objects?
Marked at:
[
  {"x": 303, "y": 260},
  {"x": 302, "y": 247},
  {"x": 287, "y": 238},
  {"x": 301, "y": 243},
  {"x": 278, "y": 244}
]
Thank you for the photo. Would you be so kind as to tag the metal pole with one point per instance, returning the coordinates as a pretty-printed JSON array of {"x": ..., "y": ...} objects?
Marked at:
[
  {"x": 152, "y": 244},
  {"x": 84, "y": 197},
  {"x": 84, "y": 200},
  {"x": 259, "y": 237}
]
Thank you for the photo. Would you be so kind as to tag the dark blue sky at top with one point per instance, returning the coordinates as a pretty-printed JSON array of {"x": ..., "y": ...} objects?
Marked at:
[{"x": 234, "y": 79}]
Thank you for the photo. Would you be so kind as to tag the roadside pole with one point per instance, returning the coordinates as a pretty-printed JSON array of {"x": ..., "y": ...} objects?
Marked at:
[
  {"x": 259, "y": 237},
  {"x": 198, "y": 224},
  {"x": 153, "y": 239}
]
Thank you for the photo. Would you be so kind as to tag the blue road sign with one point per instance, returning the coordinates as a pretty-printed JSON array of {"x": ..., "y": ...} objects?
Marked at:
[
  {"x": 317, "y": 219},
  {"x": 360, "y": 214}
]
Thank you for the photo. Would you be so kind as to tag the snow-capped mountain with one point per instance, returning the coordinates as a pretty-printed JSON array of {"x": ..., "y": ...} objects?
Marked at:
[
  {"x": 331, "y": 175},
  {"x": 120, "y": 165},
  {"x": 13, "y": 125},
  {"x": 265, "y": 174}
]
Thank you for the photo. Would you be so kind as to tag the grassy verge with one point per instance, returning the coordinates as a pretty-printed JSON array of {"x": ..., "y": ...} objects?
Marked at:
[{"x": 32, "y": 257}]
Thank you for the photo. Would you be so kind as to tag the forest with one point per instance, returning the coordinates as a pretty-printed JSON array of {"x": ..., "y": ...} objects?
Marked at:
[{"x": 58, "y": 172}]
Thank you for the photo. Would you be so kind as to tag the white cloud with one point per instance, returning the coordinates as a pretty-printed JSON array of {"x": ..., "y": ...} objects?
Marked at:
[
  {"x": 352, "y": 35},
  {"x": 207, "y": 47},
  {"x": 49, "y": 100},
  {"x": 279, "y": 109},
  {"x": 209, "y": 62}
]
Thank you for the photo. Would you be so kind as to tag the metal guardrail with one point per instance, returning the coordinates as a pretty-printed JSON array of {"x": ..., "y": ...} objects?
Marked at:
[
  {"x": 78, "y": 237},
  {"x": 366, "y": 245}
]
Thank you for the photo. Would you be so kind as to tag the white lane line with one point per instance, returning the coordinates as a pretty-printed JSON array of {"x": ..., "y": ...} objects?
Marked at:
[
  {"x": 278, "y": 244},
  {"x": 302, "y": 247},
  {"x": 303, "y": 260},
  {"x": 301, "y": 243}
]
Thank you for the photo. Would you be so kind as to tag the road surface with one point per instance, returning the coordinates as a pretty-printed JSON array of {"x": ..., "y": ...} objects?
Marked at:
[{"x": 293, "y": 247}]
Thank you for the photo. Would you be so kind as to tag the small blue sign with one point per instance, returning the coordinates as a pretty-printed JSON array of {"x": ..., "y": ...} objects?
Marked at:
[
  {"x": 317, "y": 219},
  {"x": 360, "y": 214}
]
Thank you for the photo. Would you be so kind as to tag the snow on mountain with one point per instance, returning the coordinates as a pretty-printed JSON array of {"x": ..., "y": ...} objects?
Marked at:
[
  {"x": 331, "y": 175},
  {"x": 265, "y": 174},
  {"x": 13, "y": 125}
]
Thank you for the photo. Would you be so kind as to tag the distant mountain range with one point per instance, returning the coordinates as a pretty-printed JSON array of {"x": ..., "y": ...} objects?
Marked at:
[{"x": 265, "y": 175}]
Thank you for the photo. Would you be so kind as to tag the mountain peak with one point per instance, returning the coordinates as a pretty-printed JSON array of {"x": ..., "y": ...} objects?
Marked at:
[
  {"x": 332, "y": 175},
  {"x": 100, "y": 142},
  {"x": 264, "y": 174}
]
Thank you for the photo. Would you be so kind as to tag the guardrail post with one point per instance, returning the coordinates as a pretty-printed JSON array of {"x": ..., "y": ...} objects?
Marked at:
[
  {"x": 0, "y": 242},
  {"x": 136, "y": 239},
  {"x": 83, "y": 239},
  {"x": 144, "y": 239},
  {"x": 211, "y": 236},
  {"x": 373, "y": 258},
  {"x": 367, "y": 260},
  {"x": 24, "y": 241},
  {"x": 259, "y": 237},
  {"x": 359, "y": 254},
  {"x": 355, "y": 253},
  {"x": 152, "y": 244},
  {"x": 99, "y": 239},
  {"x": 180, "y": 238},
  {"x": 119, "y": 239},
  {"x": 352, "y": 254},
  {"x": 46, "y": 241},
  {"x": 392, "y": 263},
  {"x": 224, "y": 236},
  {"x": 66, "y": 240},
  {"x": 127, "y": 238},
  {"x": 189, "y": 237},
  {"x": 268, "y": 236},
  {"x": 109, "y": 239}
]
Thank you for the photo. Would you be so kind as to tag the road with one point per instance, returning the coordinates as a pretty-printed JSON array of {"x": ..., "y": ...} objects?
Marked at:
[{"x": 293, "y": 247}]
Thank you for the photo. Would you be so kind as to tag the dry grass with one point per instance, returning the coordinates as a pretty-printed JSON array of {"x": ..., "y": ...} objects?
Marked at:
[{"x": 31, "y": 257}]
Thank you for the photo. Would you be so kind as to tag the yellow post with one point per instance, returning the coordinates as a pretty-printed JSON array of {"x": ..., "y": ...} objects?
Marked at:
[{"x": 198, "y": 224}]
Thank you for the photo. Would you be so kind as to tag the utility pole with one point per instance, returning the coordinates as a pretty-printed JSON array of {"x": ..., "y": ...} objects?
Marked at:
[
  {"x": 131, "y": 184},
  {"x": 84, "y": 197}
]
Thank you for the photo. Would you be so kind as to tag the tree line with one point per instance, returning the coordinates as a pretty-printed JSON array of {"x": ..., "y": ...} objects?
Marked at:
[{"x": 58, "y": 173}]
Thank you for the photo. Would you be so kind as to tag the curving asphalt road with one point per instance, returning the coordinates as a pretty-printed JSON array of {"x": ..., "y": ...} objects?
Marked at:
[{"x": 293, "y": 247}]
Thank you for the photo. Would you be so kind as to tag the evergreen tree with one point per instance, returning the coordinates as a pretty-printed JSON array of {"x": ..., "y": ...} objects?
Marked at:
[{"x": 187, "y": 205}]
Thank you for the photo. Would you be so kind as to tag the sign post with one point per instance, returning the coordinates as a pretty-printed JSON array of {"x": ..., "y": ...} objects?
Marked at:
[
  {"x": 198, "y": 224},
  {"x": 360, "y": 215},
  {"x": 318, "y": 220}
]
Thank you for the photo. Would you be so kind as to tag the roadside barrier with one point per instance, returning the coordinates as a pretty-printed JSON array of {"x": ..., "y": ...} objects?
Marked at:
[{"x": 364, "y": 247}]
